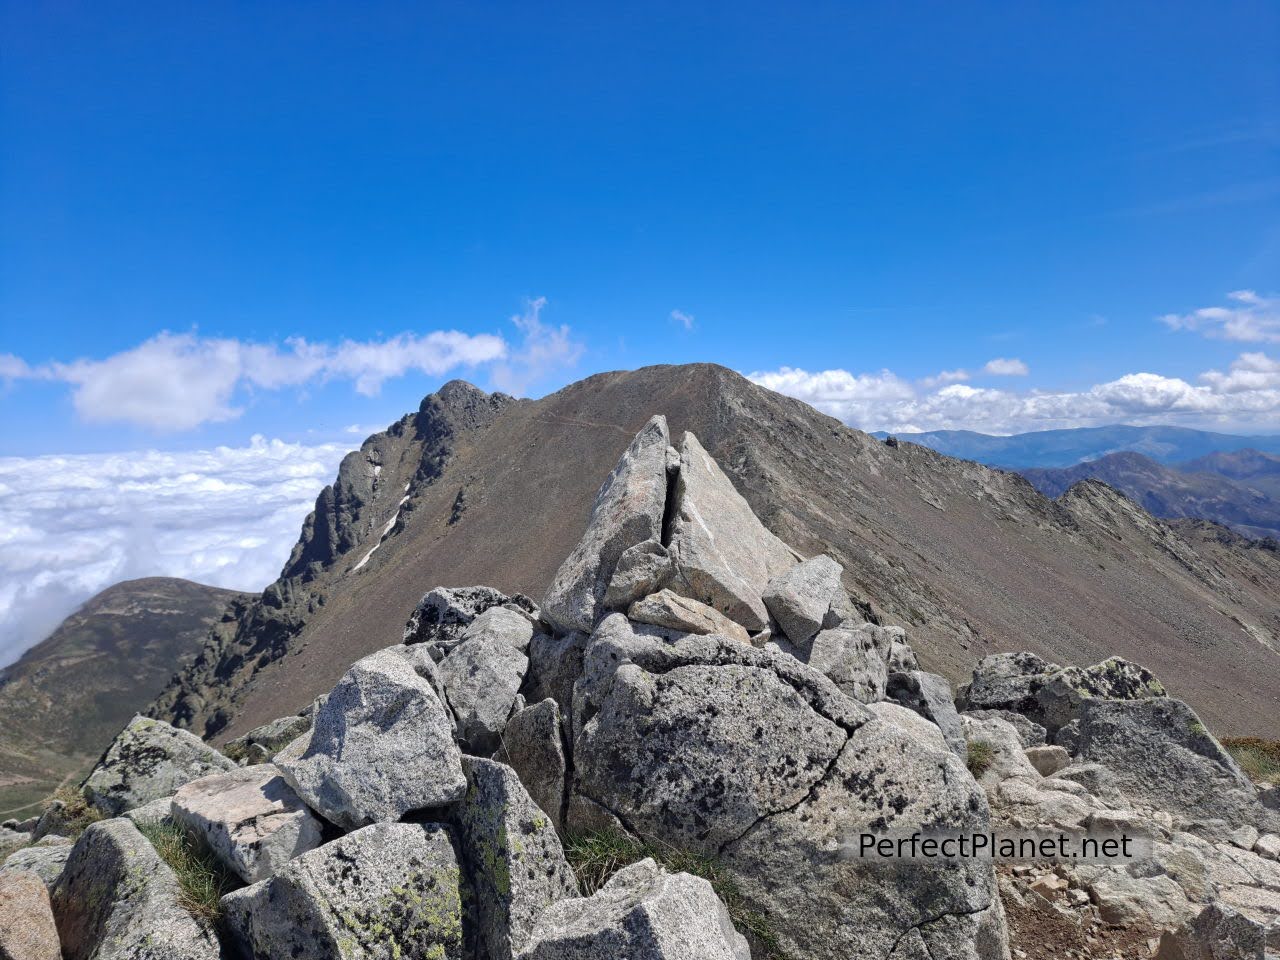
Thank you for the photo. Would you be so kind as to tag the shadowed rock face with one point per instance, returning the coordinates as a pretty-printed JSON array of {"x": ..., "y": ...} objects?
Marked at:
[{"x": 970, "y": 559}]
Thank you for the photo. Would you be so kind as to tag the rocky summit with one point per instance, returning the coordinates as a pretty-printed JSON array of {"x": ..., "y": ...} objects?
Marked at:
[{"x": 681, "y": 754}]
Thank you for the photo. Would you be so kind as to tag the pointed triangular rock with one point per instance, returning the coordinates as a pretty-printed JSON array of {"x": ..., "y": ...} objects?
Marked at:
[
  {"x": 628, "y": 510},
  {"x": 724, "y": 556}
]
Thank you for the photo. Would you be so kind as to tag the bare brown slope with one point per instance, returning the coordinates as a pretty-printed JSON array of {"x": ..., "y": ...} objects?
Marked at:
[
  {"x": 66, "y": 697},
  {"x": 970, "y": 559}
]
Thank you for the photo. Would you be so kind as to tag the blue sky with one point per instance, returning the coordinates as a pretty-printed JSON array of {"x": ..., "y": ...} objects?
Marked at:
[
  {"x": 912, "y": 215},
  {"x": 906, "y": 187}
]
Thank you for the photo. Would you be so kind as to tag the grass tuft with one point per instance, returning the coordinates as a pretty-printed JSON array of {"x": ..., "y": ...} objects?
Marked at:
[
  {"x": 597, "y": 856},
  {"x": 201, "y": 879},
  {"x": 77, "y": 813},
  {"x": 1259, "y": 758},
  {"x": 979, "y": 757}
]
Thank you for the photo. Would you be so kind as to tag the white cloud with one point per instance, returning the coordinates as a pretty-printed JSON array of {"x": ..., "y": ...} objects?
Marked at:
[
  {"x": 944, "y": 377},
  {"x": 542, "y": 350},
  {"x": 1249, "y": 318},
  {"x": 1006, "y": 367},
  {"x": 72, "y": 525},
  {"x": 179, "y": 381},
  {"x": 1246, "y": 396},
  {"x": 684, "y": 319}
]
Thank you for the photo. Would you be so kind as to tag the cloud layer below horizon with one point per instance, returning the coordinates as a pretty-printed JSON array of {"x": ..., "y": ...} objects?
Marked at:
[{"x": 73, "y": 525}]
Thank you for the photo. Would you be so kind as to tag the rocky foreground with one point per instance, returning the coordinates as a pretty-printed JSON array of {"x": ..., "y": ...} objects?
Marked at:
[{"x": 692, "y": 688}]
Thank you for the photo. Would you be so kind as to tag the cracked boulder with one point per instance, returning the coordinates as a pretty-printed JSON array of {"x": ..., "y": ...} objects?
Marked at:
[
  {"x": 518, "y": 867},
  {"x": 250, "y": 818},
  {"x": 749, "y": 756},
  {"x": 383, "y": 892},
  {"x": 149, "y": 760},
  {"x": 628, "y": 510},
  {"x": 1160, "y": 754},
  {"x": 643, "y": 912},
  {"x": 800, "y": 598},
  {"x": 533, "y": 747},
  {"x": 382, "y": 745},
  {"x": 723, "y": 555},
  {"x": 1217, "y": 933},
  {"x": 117, "y": 900}
]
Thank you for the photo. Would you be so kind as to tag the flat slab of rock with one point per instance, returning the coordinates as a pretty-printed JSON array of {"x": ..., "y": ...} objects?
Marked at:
[
  {"x": 1048, "y": 760},
  {"x": 723, "y": 555},
  {"x": 382, "y": 745},
  {"x": 801, "y": 598},
  {"x": 518, "y": 867},
  {"x": 628, "y": 510},
  {"x": 117, "y": 900},
  {"x": 667, "y": 609},
  {"x": 250, "y": 818},
  {"x": 27, "y": 928},
  {"x": 386, "y": 891},
  {"x": 642, "y": 912},
  {"x": 532, "y": 745},
  {"x": 147, "y": 761}
]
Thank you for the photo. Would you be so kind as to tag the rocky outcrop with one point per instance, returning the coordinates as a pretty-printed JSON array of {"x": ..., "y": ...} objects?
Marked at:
[
  {"x": 250, "y": 818},
  {"x": 387, "y": 890},
  {"x": 149, "y": 760},
  {"x": 628, "y": 511},
  {"x": 262, "y": 743},
  {"x": 117, "y": 900},
  {"x": 46, "y": 858},
  {"x": 642, "y": 912},
  {"x": 800, "y": 599},
  {"x": 482, "y": 675},
  {"x": 27, "y": 927},
  {"x": 722, "y": 554},
  {"x": 444, "y": 613},
  {"x": 382, "y": 745},
  {"x": 1160, "y": 753}
]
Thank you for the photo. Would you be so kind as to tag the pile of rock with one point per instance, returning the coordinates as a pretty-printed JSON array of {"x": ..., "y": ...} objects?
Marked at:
[{"x": 690, "y": 683}]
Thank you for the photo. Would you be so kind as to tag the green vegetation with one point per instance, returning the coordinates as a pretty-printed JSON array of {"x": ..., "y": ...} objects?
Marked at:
[
  {"x": 980, "y": 756},
  {"x": 201, "y": 879},
  {"x": 597, "y": 856},
  {"x": 77, "y": 814},
  {"x": 1259, "y": 758}
]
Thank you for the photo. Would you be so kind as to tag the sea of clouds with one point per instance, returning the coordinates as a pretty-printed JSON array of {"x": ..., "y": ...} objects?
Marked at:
[{"x": 73, "y": 525}]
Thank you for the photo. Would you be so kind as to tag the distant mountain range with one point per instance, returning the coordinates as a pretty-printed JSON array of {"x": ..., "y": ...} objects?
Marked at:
[
  {"x": 1066, "y": 448},
  {"x": 64, "y": 700},
  {"x": 1195, "y": 489},
  {"x": 1172, "y": 472}
]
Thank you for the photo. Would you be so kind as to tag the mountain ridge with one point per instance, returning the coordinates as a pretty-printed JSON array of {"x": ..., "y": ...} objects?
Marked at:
[
  {"x": 480, "y": 488},
  {"x": 1170, "y": 492}
]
